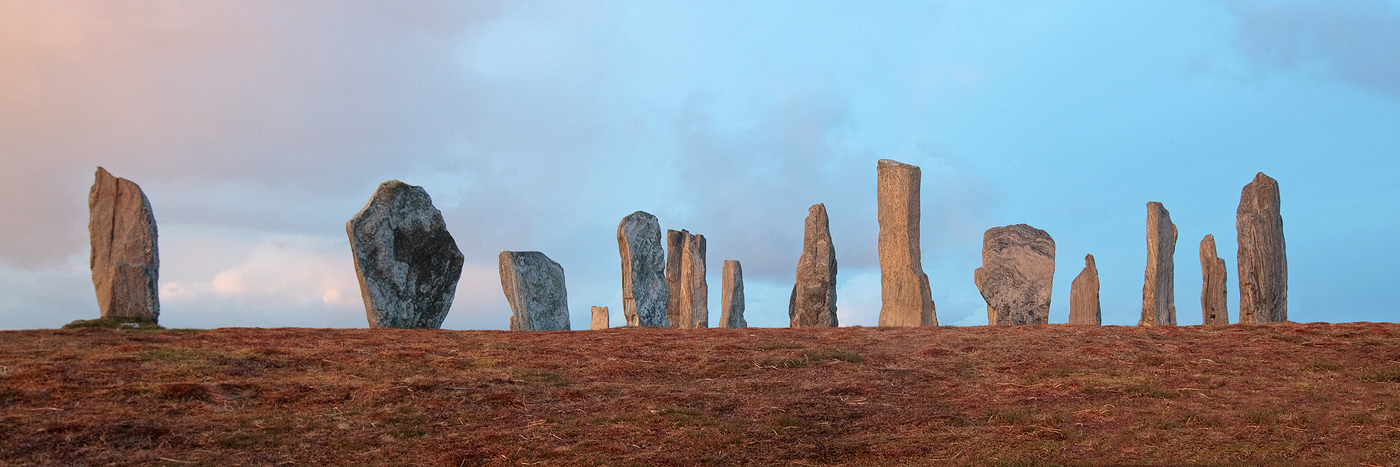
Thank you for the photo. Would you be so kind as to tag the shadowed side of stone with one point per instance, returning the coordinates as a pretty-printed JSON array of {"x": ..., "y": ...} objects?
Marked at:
[
  {"x": 731, "y": 302},
  {"x": 1262, "y": 259},
  {"x": 600, "y": 318},
  {"x": 1213, "y": 293},
  {"x": 534, "y": 286},
  {"x": 124, "y": 259},
  {"x": 1018, "y": 270},
  {"x": 1084, "y": 295},
  {"x": 407, "y": 263},
  {"x": 813, "y": 299},
  {"x": 689, "y": 307},
  {"x": 1158, "y": 287},
  {"x": 904, "y": 290},
  {"x": 645, "y": 295}
]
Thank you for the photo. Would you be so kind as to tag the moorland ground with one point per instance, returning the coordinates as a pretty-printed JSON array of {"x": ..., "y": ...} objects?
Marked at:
[{"x": 1285, "y": 394}]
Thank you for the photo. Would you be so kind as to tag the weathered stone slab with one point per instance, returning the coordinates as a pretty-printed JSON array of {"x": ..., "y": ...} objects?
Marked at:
[
  {"x": 1084, "y": 296},
  {"x": 407, "y": 263},
  {"x": 534, "y": 286},
  {"x": 689, "y": 307},
  {"x": 904, "y": 290},
  {"x": 124, "y": 259},
  {"x": 731, "y": 302},
  {"x": 1018, "y": 270},
  {"x": 600, "y": 318},
  {"x": 813, "y": 300},
  {"x": 645, "y": 295},
  {"x": 1158, "y": 288},
  {"x": 1262, "y": 259},
  {"x": 1212, "y": 284}
]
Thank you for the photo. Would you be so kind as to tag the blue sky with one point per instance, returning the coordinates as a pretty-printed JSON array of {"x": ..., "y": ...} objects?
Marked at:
[{"x": 257, "y": 128}]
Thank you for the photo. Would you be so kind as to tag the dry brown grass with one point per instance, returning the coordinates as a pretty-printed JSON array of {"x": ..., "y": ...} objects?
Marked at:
[{"x": 1314, "y": 394}]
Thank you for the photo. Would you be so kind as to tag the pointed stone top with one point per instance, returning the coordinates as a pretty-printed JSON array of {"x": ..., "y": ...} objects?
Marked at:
[
  {"x": 1208, "y": 242},
  {"x": 1089, "y": 261},
  {"x": 895, "y": 163}
]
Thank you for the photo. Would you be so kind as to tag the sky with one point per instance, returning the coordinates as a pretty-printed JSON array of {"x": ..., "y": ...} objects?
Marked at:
[{"x": 257, "y": 128}]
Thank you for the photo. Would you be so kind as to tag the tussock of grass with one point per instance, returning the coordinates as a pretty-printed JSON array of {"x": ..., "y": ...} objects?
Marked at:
[
  {"x": 114, "y": 323},
  {"x": 1382, "y": 375},
  {"x": 807, "y": 358}
]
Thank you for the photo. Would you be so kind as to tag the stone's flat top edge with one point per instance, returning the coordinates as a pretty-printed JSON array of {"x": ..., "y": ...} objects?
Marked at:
[
  {"x": 1014, "y": 227},
  {"x": 894, "y": 163}
]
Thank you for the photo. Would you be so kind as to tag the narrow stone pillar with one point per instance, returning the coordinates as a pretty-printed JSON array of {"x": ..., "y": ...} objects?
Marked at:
[
  {"x": 904, "y": 291},
  {"x": 644, "y": 292},
  {"x": 813, "y": 300},
  {"x": 1262, "y": 258},
  {"x": 1018, "y": 270},
  {"x": 125, "y": 261},
  {"x": 600, "y": 318},
  {"x": 1212, "y": 284},
  {"x": 1158, "y": 304},
  {"x": 689, "y": 307},
  {"x": 1084, "y": 296},
  {"x": 731, "y": 302}
]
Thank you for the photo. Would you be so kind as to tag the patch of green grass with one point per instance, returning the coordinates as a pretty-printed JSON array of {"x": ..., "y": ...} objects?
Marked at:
[
  {"x": 1052, "y": 373},
  {"x": 1382, "y": 375},
  {"x": 807, "y": 358},
  {"x": 1360, "y": 418},
  {"x": 1007, "y": 416},
  {"x": 114, "y": 323}
]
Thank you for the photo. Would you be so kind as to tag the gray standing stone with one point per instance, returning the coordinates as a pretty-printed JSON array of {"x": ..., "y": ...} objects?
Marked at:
[
  {"x": 1158, "y": 287},
  {"x": 1262, "y": 259},
  {"x": 689, "y": 307},
  {"x": 904, "y": 291},
  {"x": 600, "y": 318},
  {"x": 731, "y": 302},
  {"x": 645, "y": 295},
  {"x": 1018, "y": 270},
  {"x": 1084, "y": 296},
  {"x": 813, "y": 300},
  {"x": 1213, "y": 292},
  {"x": 125, "y": 261},
  {"x": 534, "y": 286},
  {"x": 408, "y": 264}
]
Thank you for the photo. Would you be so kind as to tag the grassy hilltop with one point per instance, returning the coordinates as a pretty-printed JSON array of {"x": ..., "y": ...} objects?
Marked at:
[{"x": 1323, "y": 394}]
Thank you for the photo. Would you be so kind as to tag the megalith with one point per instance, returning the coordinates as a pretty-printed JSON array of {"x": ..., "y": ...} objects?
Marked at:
[
  {"x": 534, "y": 286},
  {"x": 1018, "y": 269},
  {"x": 1213, "y": 291},
  {"x": 1262, "y": 262},
  {"x": 689, "y": 307},
  {"x": 600, "y": 318},
  {"x": 904, "y": 290},
  {"x": 1084, "y": 296},
  {"x": 731, "y": 301},
  {"x": 1158, "y": 302},
  {"x": 406, "y": 261},
  {"x": 124, "y": 259},
  {"x": 813, "y": 300},
  {"x": 645, "y": 295}
]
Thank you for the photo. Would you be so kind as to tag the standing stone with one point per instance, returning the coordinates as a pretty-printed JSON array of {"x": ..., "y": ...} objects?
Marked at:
[
  {"x": 731, "y": 301},
  {"x": 1084, "y": 296},
  {"x": 600, "y": 318},
  {"x": 1158, "y": 303},
  {"x": 689, "y": 307},
  {"x": 1018, "y": 269},
  {"x": 645, "y": 295},
  {"x": 1262, "y": 262},
  {"x": 813, "y": 300},
  {"x": 534, "y": 286},
  {"x": 904, "y": 291},
  {"x": 1212, "y": 284},
  {"x": 125, "y": 262},
  {"x": 407, "y": 263}
]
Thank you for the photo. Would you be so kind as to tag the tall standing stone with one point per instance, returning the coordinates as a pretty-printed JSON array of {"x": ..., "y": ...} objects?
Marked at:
[
  {"x": 645, "y": 295},
  {"x": 1158, "y": 302},
  {"x": 1018, "y": 270},
  {"x": 1262, "y": 262},
  {"x": 731, "y": 301},
  {"x": 689, "y": 307},
  {"x": 1084, "y": 296},
  {"x": 904, "y": 290},
  {"x": 407, "y": 263},
  {"x": 1212, "y": 284},
  {"x": 600, "y": 318},
  {"x": 125, "y": 262},
  {"x": 534, "y": 286},
  {"x": 813, "y": 300}
]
